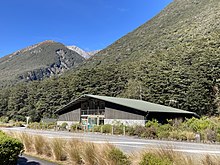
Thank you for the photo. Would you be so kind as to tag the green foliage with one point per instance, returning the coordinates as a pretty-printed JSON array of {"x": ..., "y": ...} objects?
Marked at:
[
  {"x": 10, "y": 148},
  {"x": 75, "y": 127},
  {"x": 154, "y": 159},
  {"x": 198, "y": 125},
  {"x": 41, "y": 125},
  {"x": 171, "y": 60},
  {"x": 63, "y": 126},
  {"x": 118, "y": 157},
  {"x": 107, "y": 128},
  {"x": 37, "y": 62},
  {"x": 97, "y": 128}
]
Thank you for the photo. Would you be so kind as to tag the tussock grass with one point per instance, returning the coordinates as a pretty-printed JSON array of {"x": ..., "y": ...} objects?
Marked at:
[
  {"x": 27, "y": 140},
  {"x": 168, "y": 156},
  {"x": 39, "y": 143},
  {"x": 76, "y": 152},
  {"x": 210, "y": 160},
  {"x": 58, "y": 151},
  {"x": 89, "y": 154}
]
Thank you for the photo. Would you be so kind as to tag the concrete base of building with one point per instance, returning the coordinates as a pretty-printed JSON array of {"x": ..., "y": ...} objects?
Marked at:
[{"x": 125, "y": 122}]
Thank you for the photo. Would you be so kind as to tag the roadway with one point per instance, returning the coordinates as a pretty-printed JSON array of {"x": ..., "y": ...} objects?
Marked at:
[{"x": 126, "y": 143}]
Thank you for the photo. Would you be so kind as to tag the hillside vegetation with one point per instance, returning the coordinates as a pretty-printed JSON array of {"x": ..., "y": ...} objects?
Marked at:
[
  {"x": 37, "y": 62},
  {"x": 172, "y": 59}
]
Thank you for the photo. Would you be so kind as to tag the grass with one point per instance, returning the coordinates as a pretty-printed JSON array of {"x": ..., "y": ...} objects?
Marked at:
[
  {"x": 57, "y": 147},
  {"x": 39, "y": 143},
  {"x": 27, "y": 140},
  {"x": 76, "y": 152}
]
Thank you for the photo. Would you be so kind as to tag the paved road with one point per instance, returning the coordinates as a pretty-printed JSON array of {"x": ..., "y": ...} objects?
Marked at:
[
  {"x": 128, "y": 144},
  {"x": 29, "y": 160}
]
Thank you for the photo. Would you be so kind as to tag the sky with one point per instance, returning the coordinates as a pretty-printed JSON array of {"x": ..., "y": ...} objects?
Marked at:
[{"x": 88, "y": 24}]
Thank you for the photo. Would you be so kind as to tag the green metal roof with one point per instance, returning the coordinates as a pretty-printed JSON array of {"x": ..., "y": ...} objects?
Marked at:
[
  {"x": 130, "y": 103},
  {"x": 140, "y": 104}
]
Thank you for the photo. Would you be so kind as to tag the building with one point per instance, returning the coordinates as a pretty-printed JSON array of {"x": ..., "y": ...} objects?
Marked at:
[{"x": 95, "y": 110}]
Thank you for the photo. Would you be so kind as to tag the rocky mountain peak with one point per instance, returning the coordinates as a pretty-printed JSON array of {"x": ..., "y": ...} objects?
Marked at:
[{"x": 82, "y": 52}]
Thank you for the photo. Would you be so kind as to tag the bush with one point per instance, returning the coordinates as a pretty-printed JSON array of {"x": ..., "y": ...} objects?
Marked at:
[
  {"x": 107, "y": 128},
  {"x": 10, "y": 148},
  {"x": 18, "y": 124},
  {"x": 139, "y": 130},
  {"x": 154, "y": 159},
  {"x": 34, "y": 125},
  {"x": 118, "y": 129},
  {"x": 118, "y": 157},
  {"x": 63, "y": 126},
  {"x": 149, "y": 132},
  {"x": 74, "y": 127},
  {"x": 97, "y": 128},
  {"x": 130, "y": 130}
]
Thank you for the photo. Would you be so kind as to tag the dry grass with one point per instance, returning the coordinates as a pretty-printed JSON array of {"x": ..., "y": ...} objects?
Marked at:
[
  {"x": 210, "y": 160},
  {"x": 177, "y": 158},
  {"x": 39, "y": 143},
  {"x": 89, "y": 154},
  {"x": 58, "y": 149},
  {"x": 76, "y": 152},
  {"x": 27, "y": 140}
]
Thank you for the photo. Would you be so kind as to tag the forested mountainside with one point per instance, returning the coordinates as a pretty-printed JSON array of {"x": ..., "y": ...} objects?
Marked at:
[
  {"x": 37, "y": 62},
  {"x": 173, "y": 59}
]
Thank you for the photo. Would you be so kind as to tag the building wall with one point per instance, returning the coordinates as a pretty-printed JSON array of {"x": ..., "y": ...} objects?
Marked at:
[
  {"x": 111, "y": 113},
  {"x": 70, "y": 116},
  {"x": 125, "y": 122}
]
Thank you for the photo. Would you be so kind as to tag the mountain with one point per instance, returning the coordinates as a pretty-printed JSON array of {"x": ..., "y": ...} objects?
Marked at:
[
  {"x": 173, "y": 59},
  {"x": 82, "y": 52},
  {"x": 38, "y": 61}
]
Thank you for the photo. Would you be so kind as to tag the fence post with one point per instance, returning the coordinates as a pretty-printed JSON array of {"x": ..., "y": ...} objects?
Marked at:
[
  {"x": 124, "y": 130},
  {"x": 112, "y": 130}
]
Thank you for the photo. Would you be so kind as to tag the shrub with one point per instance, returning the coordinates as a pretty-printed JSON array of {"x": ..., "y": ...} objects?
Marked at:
[
  {"x": 118, "y": 157},
  {"x": 118, "y": 129},
  {"x": 150, "y": 132},
  {"x": 130, "y": 130},
  {"x": 174, "y": 135},
  {"x": 10, "y": 148},
  {"x": 153, "y": 123},
  {"x": 74, "y": 127},
  {"x": 63, "y": 126},
  {"x": 18, "y": 124},
  {"x": 97, "y": 128},
  {"x": 209, "y": 135},
  {"x": 139, "y": 130},
  {"x": 107, "y": 128},
  {"x": 187, "y": 135},
  {"x": 34, "y": 125},
  {"x": 154, "y": 159}
]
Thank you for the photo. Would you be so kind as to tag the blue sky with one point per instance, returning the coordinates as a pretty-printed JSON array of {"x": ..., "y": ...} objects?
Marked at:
[{"x": 89, "y": 24}]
